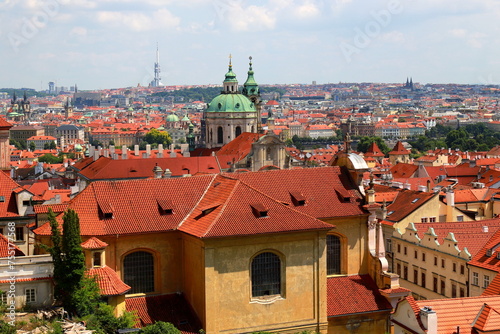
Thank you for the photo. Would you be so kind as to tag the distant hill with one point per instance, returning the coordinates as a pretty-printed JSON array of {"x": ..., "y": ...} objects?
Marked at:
[{"x": 206, "y": 94}]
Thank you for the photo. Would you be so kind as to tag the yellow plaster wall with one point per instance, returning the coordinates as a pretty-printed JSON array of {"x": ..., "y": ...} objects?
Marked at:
[
  {"x": 230, "y": 306},
  {"x": 165, "y": 248},
  {"x": 355, "y": 252},
  {"x": 193, "y": 269},
  {"x": 374, "y": 323}
]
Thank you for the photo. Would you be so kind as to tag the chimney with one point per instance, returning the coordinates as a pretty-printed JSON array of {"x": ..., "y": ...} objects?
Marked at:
[
  {"x": 450, "y": 206},
  {"x": 136, "y": 150},
  {"x": 422, "y": 188},
  {"x": 96, "y": 155},
  {"x": 157, "y": 171},
  {"x": 172, "y": 151},
  {"x": 407, "y": 186},
  {"x": 112, "y": 149},
  {"x": 124, "y": 152},
  {"x": 106, "y": 153},
  {"x": 429, "y": 319},
  {"x": 167, "y": 173},
  {"x": 429, "y": 189},
  {"x": 485, "y": 229},
  {"x": 148, "y": 150},
  {"x": 160, "y": 151},
  {"x": 91, "y": 151}
]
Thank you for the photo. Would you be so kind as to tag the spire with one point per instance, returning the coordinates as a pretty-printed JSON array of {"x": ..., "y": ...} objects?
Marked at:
[
  {"x": 250, "y": 88},
  {"x": 25, "y": 97},
  {"x": 230, "y": 82}
]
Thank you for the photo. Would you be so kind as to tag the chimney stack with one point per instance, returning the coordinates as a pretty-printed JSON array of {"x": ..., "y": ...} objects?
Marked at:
[
  {"x": 136, "y": 150},
  {"x": 160, "y": 151},
  {"x": 148, "y": 150},
  {"x": 429, "y": 319},
  {"x": 124, "y": 152}
]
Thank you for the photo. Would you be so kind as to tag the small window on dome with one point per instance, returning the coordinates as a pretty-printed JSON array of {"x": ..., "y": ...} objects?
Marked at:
[
  {"x": 219, "y": 105},
  {"x": 237, "y": 105}
]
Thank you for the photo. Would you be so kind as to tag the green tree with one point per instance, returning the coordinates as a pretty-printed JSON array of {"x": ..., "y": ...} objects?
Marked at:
[
  {"x": 50, "y": 159},
  {"x": 155, "y": 136},
  {"x": 32, "y": 146},
  {"x": 78, "y": 293},
  {"x": 160, "y": 327},
  {"x": 365, "y": 142},
  {"x": 103, "y": 321}
]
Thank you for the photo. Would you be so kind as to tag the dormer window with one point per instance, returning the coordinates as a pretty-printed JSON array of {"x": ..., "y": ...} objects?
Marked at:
[
  {"x": 259, "y": 210},
  {"x": 106, "y": 210},
  {"x": 165, "y": 206},
  {"x": 343, "y": 196},
  {"x": 297, "y": 198},
  {"x": 488, "y": 252}
]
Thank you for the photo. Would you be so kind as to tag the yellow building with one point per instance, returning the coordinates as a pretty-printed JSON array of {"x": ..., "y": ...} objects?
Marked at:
[{"x": 238, "y": 253}]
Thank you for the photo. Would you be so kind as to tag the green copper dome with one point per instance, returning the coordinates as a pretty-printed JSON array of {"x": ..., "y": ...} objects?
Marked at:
[
  {"x": 231, "y": 103},
  {"x": 186, "y": 119},
  {"x": 172, "y": 118}
]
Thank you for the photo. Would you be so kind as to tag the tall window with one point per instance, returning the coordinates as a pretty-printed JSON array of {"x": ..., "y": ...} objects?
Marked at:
[
  {"x": 332, "y": 255},
  {"x": 138, "y": 272},
  {"x": 238, "y": 131},
  {"x": 266, "y": 275},
  {"x": 97, "y": 259},
  {"x": 220, "y": 135},
  {"x": 19, "y": 233},
  {"x": 475, "y": 278},
  {"x": 486, "y": 281}
]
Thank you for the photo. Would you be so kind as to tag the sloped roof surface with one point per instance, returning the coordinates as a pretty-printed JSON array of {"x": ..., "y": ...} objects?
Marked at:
[
  {"x": 171, "y": 308},
  {"x": 108, "y": 280},
  {"x": 354, "y": 294}
]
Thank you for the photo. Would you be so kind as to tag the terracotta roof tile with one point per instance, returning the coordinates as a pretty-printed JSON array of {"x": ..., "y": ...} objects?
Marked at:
[
  {"x": 5, "y": 250},
  {"x": 109, "y": 282},
  {"x": 354, "y": 294},
  {"x": 171, "y": 308},
  {"x": 399, "y": 149},
  {"x": 463, "y": 313},
  {"x": 407, "y": 202},
  {"x": 94, "y": 243}
]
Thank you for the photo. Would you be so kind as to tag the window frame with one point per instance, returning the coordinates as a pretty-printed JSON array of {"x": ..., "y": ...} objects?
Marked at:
[
  {"x": 154, "y": 269},
  {"x": 282, "y": 273},
  {"x": 31, "y": 296}
]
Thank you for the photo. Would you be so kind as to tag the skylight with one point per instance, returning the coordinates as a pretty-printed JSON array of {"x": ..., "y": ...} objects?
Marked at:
[{"x": 415, "y": 200}]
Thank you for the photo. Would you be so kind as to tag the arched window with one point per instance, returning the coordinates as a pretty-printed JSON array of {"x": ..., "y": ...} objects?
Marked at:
[
  {"x": 220, "y": 138},
  {"x": 332, "y": 255},
  {"x": 138, "y": 272},
  {"x": 266, "y": 275},
  {"x": 238, "y": 131}
]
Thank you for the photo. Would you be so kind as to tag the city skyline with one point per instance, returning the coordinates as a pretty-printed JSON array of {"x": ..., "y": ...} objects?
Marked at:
[{"x": 112, "y": 44}]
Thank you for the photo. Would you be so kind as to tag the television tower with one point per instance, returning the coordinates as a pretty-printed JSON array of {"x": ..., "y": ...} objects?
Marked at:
[{"x": 156, "y": 81}]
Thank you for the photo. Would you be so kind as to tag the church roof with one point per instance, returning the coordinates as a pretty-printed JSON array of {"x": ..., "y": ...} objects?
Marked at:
[
  {"x": 374, "y": 151},
  {"x": 231, "y": 204},
  {"x": 231, "y": 103}
]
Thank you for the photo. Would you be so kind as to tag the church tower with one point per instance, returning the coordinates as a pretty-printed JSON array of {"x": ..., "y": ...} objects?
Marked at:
[
  {"x": 230, "y": 113},
  {"x": 68, "y": 109},
  {"x": 251, "y": 90}
]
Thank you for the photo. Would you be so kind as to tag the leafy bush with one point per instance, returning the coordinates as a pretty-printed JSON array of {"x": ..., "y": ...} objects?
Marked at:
[
  {"x": 103, "y": 321},
  {"x": 160, "y": 327},
  {"x": 6, "y": 328}
]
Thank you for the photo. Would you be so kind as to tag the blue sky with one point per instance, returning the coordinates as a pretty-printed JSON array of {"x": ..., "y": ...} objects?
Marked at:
[{"x": 111, "y": 43}]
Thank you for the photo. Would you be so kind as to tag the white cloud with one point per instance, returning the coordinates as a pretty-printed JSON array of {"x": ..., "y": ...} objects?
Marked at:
[
  {"x": 139, "y": 21},
  {"x": 251, "y": 18},
  {"x": 306, "y": 11},
  {"x": 78, "y": 31}
]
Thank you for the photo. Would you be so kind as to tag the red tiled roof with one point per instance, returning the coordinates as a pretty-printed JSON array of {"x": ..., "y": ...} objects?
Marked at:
[
  {"x": 407, "y": 202},
  {"x": 135, "y": 205},
  {"x": 109, "y": 282},
  {"x": 403, "y": 170},
  {"x": 94, "y": 243},
  {"x": 374, "y": 151},
  {"x": 4, "y": 124},
  {"x": 318, "y": 185},
  {"x": 399, "y": 149},
  {"x": 6, "y": 250},
  {"x": 488, "y": 262},
  {"x": 27, "y": 279},
  {"x": 106, "y": 168},
  {"x": 57, "y": 208},
  {"x": 468, "y": 234},
  {"x": 8, "y": 208},
  {"x": 463, "y": 314},
  {"x": 171, "y": 308},
  {"x": 236, "y": 209},
  {"x": 354, "y": 294}
]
